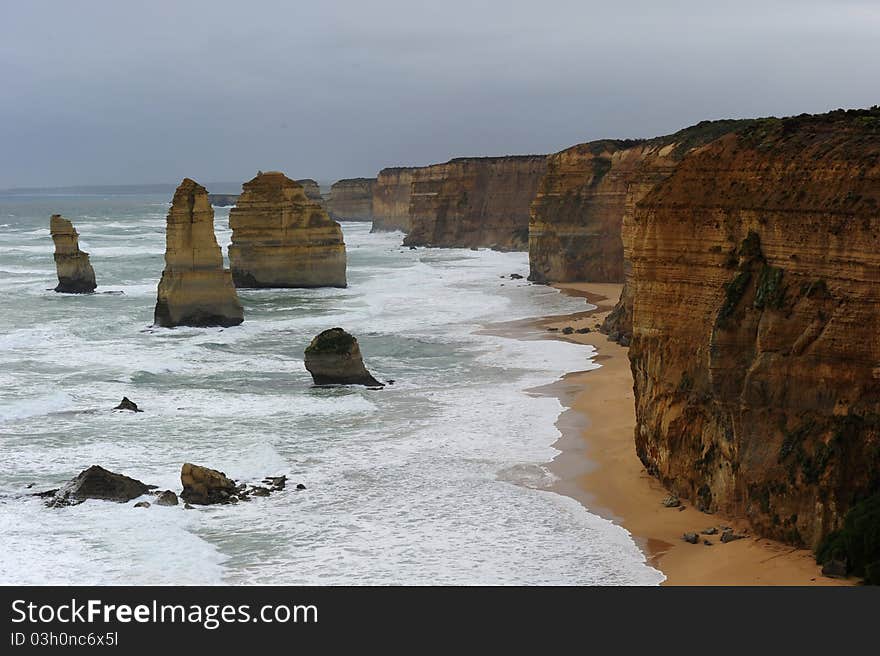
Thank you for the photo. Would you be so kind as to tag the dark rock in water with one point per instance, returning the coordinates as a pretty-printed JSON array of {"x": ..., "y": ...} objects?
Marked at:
[
  {"x": 300, "y": 486},
  {"x": 412, "y": 248},
  {"x": 681, "y": 508},
  {"x": 142, "y": 504},
  {"x": 259, "y": 491},
  {"x": 98, "y": 483},
  {"x": 204, "y": 486},
  {"x": 515, "y": 276},
  {"x": 553, "y": 330},
  {"x": 692, "y": 538},
  {"x": 334, "y": 358},
  {"x": 708, "y": 543},
  {"x": 730, "y": 536},
  {"x": 672, "y": 501},
  {"x": 835, "y": 568},
  {"x": 186, "y": 506},
  {"x": 276, "y": 482},
  {"x": 709, "y": 531},
  {"x": 582, "y": 331},
  {"x": 568, "y": 330},
  {"x": 167, "y": 498},
  {"x": 390, "y": 381},
  {"x": 127, "y": 404}
]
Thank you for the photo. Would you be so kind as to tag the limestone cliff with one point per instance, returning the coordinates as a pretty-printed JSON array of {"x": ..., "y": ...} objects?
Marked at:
[
  {"x": 351, "y": 199},
  {"x": 474, "y": 202},
  {"x": 75, "y": 273},
  {"x": 755, "y": 304},
  {"x": 195, "y": 289},
  {"x": 391, "y": 196},
  {"x": 582, "y": 201},
  {"x": 281, "y": 238}
]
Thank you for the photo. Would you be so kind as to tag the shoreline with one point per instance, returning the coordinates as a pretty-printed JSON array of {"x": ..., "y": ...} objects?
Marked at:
[{"x": 597, "y": 466}]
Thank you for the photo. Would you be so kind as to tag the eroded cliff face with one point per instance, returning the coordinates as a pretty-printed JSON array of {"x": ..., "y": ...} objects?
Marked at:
[
  {"x": 391, "y": 196},
  {"x": 474, "y": 202},
  {"x": 755, "y": 295},
  {"x": 281, "y": 238},
  {"x": 312, "y": 189},
  {"x": 195, "y": 289},
  {"x": 351, "y": 199},
  {"x": 75, "y": 272},
  {"x": 581, "y": 203}
]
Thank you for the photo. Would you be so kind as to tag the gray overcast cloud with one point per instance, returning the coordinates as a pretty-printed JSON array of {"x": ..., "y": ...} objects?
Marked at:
[{"x": 107, "y": 92}]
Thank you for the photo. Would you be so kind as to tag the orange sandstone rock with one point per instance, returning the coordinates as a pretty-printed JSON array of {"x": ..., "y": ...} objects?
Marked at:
[{"x": 75, "y": 272}]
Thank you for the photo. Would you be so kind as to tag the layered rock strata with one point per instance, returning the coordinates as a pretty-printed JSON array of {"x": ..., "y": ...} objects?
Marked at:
[
  {"x": 75, "y": 272},
  {"x": 391, "y": 196},
  {"x": 755, "y": 294},
  {"x": 281, "y": 238},
  {"x": 195, "y": 289},
  {"x": 581, "y": 204},
  {"x": 334, "y": 358},
  {"x": 351, "y": 199},
  {"x": 474, "y": 202},
  {"x": 312, "y": 189}
]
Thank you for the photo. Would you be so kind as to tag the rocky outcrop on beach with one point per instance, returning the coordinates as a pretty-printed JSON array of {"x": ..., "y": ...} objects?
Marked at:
[
  {"x": 334, "y": 358},
  {"x": 391, "y": 196},
  {"x": 755, "y": 301},
  {"x": 473, "y": 202},
  {"x": 97, "y": 483},
  {"x": 75, "y": 272},
  {"x": 281, "y": 238},
  {"x": 351, "y": 199},
  {"x": 589, "y": 189},
  {"x": 195, "y": 289}
]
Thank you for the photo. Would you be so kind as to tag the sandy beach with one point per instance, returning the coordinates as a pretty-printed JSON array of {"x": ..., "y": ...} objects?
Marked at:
[{"x": 598, "y": 466}]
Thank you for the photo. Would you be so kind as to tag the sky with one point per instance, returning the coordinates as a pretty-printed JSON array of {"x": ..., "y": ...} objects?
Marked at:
[{"x": 97, "y": 92}]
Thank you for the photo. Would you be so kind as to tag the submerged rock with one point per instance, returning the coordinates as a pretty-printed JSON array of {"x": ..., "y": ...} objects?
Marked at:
[
  {"x": 334, "y": 358},
  {"x": 98, "y": 483},
  {"x": 127, "y": 404},
  {"x": 692, "y": 538},
  {"x": 281, "y": 238},
  {"x": 142, "y": 504},
  {"x": 195, "y": 289},
  {"x": 204, "y": 486},
  {"x": 75, "y": 272}
]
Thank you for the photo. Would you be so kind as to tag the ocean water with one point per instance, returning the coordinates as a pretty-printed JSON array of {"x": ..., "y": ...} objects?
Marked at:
[{"x": 435, "y": 479}]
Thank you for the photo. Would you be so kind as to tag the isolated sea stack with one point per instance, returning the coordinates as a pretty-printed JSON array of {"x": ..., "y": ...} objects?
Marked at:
[
  {"x": 195, "y": 289},
  {"x": 334, "y": 358},
  {"x": 281, "y": 238},
  {"x": 75, "y": 272}
]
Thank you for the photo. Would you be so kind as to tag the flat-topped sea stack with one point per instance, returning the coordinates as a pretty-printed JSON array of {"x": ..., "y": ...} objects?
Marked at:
[
  {"x": 474, "y": 202},
  {"x": 391, "y": 195},
  {"x": 581, "y": 204},
  {"x": 195, "y": 289},
  {"x": 312, "y": 189},
  {"x": 351, "y": 199},
  {"x": 281, "y": 238},
  {"x": 333, "y": 357},
  {"x": 75, "y": 272},
  {"x": 755, "y": 306}
]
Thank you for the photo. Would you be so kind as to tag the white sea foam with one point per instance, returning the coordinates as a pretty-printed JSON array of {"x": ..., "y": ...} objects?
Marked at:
[{"x": 435, "y": 479}]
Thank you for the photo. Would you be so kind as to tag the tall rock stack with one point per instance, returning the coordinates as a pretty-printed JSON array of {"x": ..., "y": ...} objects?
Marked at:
[
  {"x": 195, "y": 289},
  {"x": 281, "y": 238},
  {"x": 351, "y": 199},
  {"x": 75, "y": 273}
]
